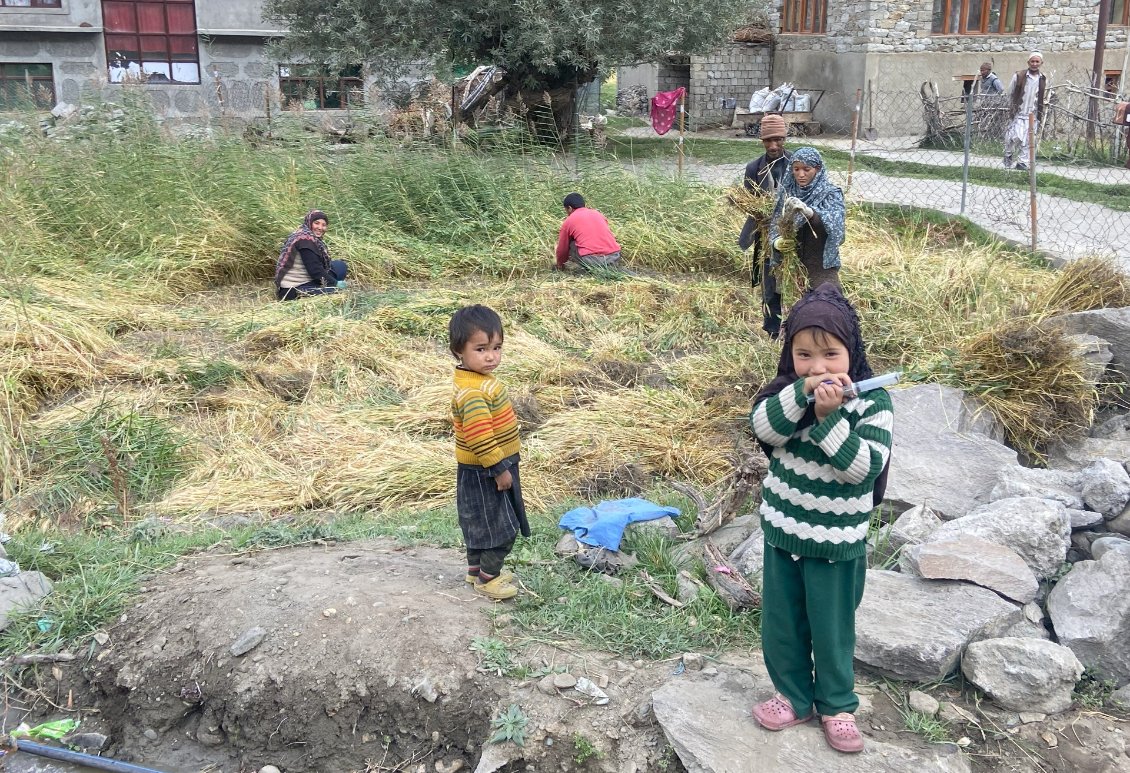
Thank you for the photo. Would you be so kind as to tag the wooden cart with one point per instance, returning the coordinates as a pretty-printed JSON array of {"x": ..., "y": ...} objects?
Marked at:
[{"x": 798, "y": 123}]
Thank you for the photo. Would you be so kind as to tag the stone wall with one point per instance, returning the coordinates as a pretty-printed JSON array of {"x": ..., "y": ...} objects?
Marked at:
[
  {"x": 870, "y": 26},
  {"x": 673, "y": 72},
  {"x": 732, "y": 72}
]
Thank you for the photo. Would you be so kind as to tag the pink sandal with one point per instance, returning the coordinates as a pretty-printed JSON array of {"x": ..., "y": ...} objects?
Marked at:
[
  {"x": 777, "y": 714},
  {"x": 842, "y": 734}
]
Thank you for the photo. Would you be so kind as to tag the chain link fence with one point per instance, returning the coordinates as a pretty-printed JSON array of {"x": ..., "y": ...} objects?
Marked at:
[{"x": 943, "y": 147}]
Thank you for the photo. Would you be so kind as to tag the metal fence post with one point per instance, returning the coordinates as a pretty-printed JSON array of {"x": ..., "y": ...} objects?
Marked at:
[
  {"x": 854, "y": 133},
  {"x": 1032, "y": 173},
  {"x": 965, "y": 162}
]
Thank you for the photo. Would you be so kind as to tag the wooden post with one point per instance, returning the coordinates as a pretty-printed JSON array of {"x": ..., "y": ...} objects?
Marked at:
[
  {"x": 854, "y": 133},
  {"x": 1032, "y": 173},
  {"x": 682, "y": 126},
  {"x": 1097, "y": 66}
]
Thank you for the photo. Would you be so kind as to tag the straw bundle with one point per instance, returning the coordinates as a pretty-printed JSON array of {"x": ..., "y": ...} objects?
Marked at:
[
  {"x": 1092, "y": 282},
  {"x": 666, "y": 431},
  {"x": 1032, "y": 378}
]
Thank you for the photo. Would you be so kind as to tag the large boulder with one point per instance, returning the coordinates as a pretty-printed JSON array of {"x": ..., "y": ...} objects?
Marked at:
[
  {"x": 934, "y": 426},
  {"x": 1039, "y": 530},
  {"x": 1103, "y": 545},
  {"x": 1111, "y": 325},
  {"x": 1023, "y": 674},
  {"x": 749, "y": 556},
  {"x": 913, "y": 527},
  {"x": 975, "y": 560},
  {"x": 1063, "y": 486},
  {"x": 1080, "y": 453},
  {"x": 911, "y": 628},
  {"x": 1106, "y": 487},
  {"x": 707, "y": 722},
  {"x": 1090, "y": 612}
]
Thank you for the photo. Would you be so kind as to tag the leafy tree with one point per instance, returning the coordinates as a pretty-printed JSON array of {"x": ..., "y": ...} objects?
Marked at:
[{"x": 543, "y": 45}]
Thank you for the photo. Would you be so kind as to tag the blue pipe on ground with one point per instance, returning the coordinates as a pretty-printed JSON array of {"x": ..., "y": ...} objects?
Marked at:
[{"x": 79, "y": 758}]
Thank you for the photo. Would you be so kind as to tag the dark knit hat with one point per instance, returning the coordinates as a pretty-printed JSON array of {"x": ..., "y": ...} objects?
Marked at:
[{"x": 773, "y": 127}]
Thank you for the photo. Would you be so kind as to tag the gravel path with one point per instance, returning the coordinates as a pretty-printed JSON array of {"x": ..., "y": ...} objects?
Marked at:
[{"x": 1066, "y": 229}]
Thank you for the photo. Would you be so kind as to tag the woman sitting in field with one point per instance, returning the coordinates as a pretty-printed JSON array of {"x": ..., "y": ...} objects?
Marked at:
[
  {"x": 808, "y": 219},
  {"x": 304, "y": 266}
]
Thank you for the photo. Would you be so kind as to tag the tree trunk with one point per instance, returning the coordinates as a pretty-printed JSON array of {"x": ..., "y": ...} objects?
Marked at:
[{"x": 549, "y": 114}]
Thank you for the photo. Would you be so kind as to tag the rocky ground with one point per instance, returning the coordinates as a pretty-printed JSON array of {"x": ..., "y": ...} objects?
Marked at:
[{"x": 358, "y": 657}]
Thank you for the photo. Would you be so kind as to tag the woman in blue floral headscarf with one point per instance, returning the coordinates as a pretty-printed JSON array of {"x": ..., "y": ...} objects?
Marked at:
[{"x": 810, "y": 206}]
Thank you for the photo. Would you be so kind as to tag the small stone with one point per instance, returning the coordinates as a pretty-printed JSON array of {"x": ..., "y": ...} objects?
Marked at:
[
  {"x": 692, "y": 661},
  {"x": 923, "y": 703},
  {"x": 331, "y": 612},
  {"x": 150, "y": 733},
  {"x": 269, "y": 769},
  {"x": 1050, "y": 739},
  {"x": 545, "y": 684},
  {"x": 91, "y": 741},
  {"x": 457, "y": 765},
  {"x": 564, "y": 681},
  {"x": 964, "y": 741},
  {"x": 1028, "y": 717},
  {"x": 249, "y": 640},
  {"x": 710, "y": 671},
  {"x": 637, "y": 664},
  {"x": 102, "y": 637}
]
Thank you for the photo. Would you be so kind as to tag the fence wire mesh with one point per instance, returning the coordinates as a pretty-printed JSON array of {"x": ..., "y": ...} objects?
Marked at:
[{"x": 942, "y": 147}]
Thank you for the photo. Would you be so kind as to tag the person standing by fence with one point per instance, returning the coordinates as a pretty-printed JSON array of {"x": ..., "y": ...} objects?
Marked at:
[
  {"x": 1026, "y": 96},
  {"x": 988, "y": 84}
]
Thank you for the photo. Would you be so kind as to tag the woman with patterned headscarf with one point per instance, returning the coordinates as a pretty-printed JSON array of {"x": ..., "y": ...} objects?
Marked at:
[
  {"x": 810, "y": 206},
  {"x": 304, "y": 266}
]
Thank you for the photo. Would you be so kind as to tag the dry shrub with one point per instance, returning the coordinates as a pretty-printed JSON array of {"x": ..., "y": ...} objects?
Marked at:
[
  {"x": 1032, "y": 378},
  {"x": 1092, "y": 282}
]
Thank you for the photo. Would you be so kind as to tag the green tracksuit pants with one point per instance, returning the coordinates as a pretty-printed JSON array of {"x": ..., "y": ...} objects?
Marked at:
[{"x": 808, "y": 629}]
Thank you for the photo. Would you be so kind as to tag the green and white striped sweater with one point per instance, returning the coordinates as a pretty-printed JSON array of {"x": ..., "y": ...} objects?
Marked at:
[{"x": 818, "y": 495}]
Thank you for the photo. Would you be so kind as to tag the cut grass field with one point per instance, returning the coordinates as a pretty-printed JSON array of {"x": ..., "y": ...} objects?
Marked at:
[{"x": 152, "y": 386}]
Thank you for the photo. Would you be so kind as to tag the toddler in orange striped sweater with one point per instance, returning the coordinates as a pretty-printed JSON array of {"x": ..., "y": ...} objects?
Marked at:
[{"x": 488, "y": 492}]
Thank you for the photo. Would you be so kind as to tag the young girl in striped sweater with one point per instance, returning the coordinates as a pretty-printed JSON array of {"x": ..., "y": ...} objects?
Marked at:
[
  {"x": 488, "y": 493},
  {"x": 826, "y": 451}
]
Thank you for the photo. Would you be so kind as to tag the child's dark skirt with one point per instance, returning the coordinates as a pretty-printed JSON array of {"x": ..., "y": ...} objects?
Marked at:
[{"x": 488, "y": 517}]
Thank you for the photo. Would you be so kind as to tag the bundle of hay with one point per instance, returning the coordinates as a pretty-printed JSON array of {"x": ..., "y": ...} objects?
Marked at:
[
  {"x": 1088, "y": 283},
  {"x": 1032, "y": 378}
]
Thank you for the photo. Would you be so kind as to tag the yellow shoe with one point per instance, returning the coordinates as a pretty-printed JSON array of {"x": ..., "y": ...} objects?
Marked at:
[
  {"x": 498, "y": 589},
  {"x": 471, "y": 579}
]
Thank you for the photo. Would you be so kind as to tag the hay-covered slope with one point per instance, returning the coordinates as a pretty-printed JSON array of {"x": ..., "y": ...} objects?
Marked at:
[{"x": 147, "y": 368}]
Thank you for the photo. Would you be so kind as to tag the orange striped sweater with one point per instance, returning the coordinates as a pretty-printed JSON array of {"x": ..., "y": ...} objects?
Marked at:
[{"x": 486, "y": 429}]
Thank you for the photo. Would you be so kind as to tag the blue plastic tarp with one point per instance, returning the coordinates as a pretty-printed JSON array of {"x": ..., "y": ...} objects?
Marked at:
[{"x": 603, "y": 525}]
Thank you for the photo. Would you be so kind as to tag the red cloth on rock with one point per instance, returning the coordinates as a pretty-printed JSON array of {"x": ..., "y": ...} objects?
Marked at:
[{"x": 664, "y": 106}]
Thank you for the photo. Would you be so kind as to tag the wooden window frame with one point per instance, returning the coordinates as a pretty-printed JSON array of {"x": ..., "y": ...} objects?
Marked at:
[
  {"x": 1124, "y": 19},
  {"x": 161, "y": 48},
  {"x": 804, "y": 17},
  {"x": 349, "y": 86},
  {"x": 963, "y": 7},
  {"x": 32, "y": 83}
]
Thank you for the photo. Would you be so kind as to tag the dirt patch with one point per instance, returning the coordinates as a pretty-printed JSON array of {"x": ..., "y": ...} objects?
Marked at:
[{"x": 364, "y": 661}]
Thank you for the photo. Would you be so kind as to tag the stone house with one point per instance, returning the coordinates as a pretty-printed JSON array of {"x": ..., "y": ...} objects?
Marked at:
[
  {"x": 193, "y": 58},
  {"x": 844, "y": 45}
]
